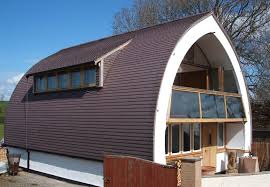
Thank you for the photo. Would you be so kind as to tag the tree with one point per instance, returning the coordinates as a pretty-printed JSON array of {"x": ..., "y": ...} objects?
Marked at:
[{"x": 246, "y": 22}]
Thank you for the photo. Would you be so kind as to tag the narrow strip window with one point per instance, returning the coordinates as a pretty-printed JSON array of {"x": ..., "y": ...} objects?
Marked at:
[
  {"x": 186, "y": 137},
  {"x": 166, "y": 140},
  {"x": 220, "y": 135},
  {"x": 175, "y": 139},
  {"x": 196, "y": 136}
]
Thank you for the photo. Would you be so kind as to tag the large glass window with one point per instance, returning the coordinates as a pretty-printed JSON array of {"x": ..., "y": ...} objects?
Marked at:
[
  {"x": 235, "y": 108},
  {"x": 52, "y": 82},
  {"x": 175, "y": 139},
  {"x": 40, "y": 83},
  {"x": 63, "y": 80},
  {"x": 186, "y": 137},
  {"x": 196, "y": 136},
  {"x": 185, "y": 105},
  {"x": 76, "y": 79},
  {"x": 188, "y": 104},
  {"x": 212, "y": 106},
  {"x": 220, "y": 134},
  {"x": 90, "y": 77}
]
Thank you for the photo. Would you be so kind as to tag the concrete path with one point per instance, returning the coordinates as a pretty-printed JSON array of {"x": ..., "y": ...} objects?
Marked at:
[
  {"x": 244, "y": 180},
  {"x": 25, "y": 179}
]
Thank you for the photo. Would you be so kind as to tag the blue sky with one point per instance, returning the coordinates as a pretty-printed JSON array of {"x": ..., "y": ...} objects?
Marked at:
[{"x": 30, "y": 30}]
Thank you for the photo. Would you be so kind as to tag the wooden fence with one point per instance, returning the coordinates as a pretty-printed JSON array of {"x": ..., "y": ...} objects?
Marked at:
[
  {"x": 262, "y": 151},
  {"x": 134, "y": 172}
]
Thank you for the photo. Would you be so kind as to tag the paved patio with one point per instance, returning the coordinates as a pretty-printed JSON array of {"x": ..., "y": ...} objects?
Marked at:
[
  {"x": 25, "y": 179},
  {"x": 260, "y": 179}
]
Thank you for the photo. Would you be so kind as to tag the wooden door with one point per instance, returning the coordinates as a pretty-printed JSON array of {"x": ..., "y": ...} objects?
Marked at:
[{"x": 209, "y": 141}]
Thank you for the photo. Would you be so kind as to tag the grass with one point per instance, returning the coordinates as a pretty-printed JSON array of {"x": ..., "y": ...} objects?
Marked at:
[{"x": 3, "y": 107}]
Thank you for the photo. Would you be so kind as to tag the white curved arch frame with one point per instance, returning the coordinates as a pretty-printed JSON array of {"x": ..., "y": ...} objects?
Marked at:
[{"x": 204, "y": 26}]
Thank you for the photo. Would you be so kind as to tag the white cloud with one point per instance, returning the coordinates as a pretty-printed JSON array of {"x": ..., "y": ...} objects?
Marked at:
[
  {"x": 14, "y": 80},
  {"x": 7, "y": 86}
]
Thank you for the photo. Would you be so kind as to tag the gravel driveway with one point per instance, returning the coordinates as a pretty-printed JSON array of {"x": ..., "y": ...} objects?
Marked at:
[{"x": 25, "y": 179}]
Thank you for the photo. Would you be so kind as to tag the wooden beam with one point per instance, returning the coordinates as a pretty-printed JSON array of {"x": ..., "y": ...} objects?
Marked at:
[
  {"x": 207, "y": 80},
  {"x": 205, "y": 120},
  {"x": 197, "y": 90},
  {"x": 200, "y": 106}
]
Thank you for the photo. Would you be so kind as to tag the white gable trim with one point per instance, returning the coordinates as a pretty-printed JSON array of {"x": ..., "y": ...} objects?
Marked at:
[
  {"x": 204, "y": 26},
  {"x": 112, "y": 51}
]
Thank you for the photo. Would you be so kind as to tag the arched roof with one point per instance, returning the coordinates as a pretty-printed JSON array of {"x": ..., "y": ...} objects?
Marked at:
[{"x": 116, "y": 119}]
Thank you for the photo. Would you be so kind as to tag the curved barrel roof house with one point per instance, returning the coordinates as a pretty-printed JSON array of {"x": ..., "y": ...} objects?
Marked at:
[{"x": 161, "y": 93}]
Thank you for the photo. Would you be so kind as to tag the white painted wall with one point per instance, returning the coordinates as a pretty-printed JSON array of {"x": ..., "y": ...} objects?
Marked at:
[
  {"x": 205, "y": 26},
  {"x": 199, "y": 57},
  {"x": 260, "y": 180},
  {"x": 81, "y": 170},
  {"x": 235, "y": 135}
]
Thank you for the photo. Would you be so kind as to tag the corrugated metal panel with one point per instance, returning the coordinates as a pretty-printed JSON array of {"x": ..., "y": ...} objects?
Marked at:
[{"x": 115, "y": 119}]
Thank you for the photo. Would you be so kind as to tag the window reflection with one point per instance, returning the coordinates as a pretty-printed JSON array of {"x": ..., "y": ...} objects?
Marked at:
[
  {"x": 185, "y": 105},
  {"x": 90, "y": 76},
  {"x": 76, "y": 79},
  {"x": 40, "y": 83},
  {"x": 212, "y": 106},
  {"x": 197, "y": 136},
  {"x": 175, "y": 139},
  {"x": 52, "y": 82},
  {"x": 235, "y": 108},
  {"x": 186, "y": 137},
  {"x": 63, "y": 80}
]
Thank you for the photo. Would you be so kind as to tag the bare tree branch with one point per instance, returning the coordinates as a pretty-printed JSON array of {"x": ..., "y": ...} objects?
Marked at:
[{"x": 246, "y": 22}]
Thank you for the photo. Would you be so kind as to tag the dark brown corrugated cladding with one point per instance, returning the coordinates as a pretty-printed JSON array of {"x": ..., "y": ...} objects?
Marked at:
[{"x": 115, "y": 119}]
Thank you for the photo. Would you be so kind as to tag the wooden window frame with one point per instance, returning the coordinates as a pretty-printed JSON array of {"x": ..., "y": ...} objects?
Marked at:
[
  {"x": 181, "y": 141},
  {"x": 172, "y": 120},
  {"x": 69, "y": 71}
]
